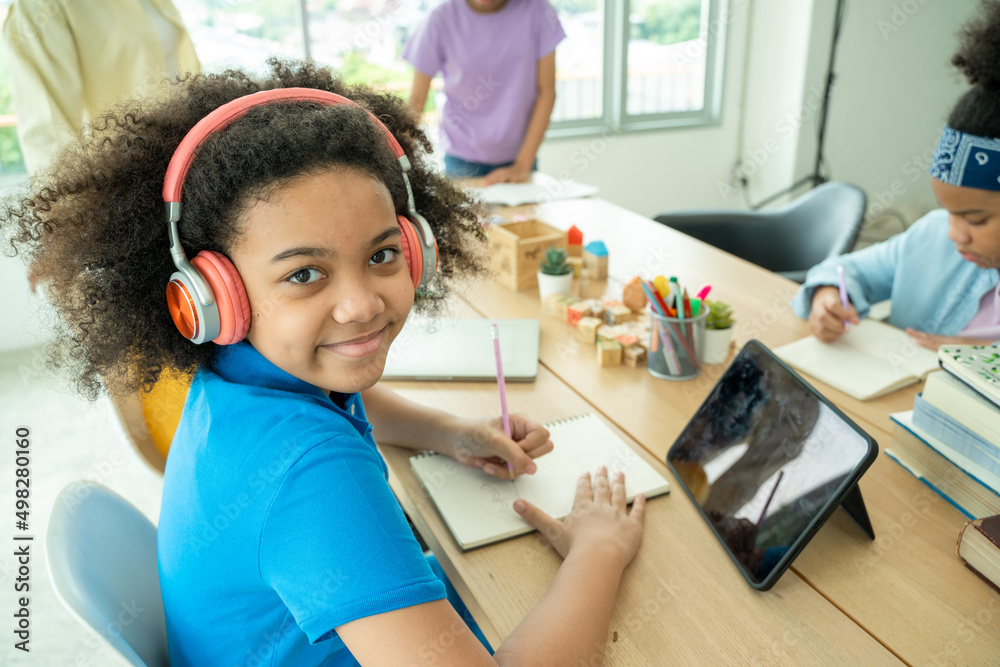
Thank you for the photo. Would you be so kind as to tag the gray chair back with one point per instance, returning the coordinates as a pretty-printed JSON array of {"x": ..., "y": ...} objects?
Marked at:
[{"x": 789, "y": 240}]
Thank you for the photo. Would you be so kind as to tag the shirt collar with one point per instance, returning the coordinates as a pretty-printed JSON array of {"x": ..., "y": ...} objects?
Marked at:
[{"x": 243, "y": 364}]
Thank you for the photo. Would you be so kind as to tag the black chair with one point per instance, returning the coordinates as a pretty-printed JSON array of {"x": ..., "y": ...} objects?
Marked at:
[{"x": 790, "y": 240}]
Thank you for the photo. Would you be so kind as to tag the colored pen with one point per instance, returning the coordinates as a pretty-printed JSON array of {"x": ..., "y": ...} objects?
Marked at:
[
  {"x": 657, "y": 306},
  {"x": 668, "y": 312},
  {"x": 503, "y": 390},
  {"x": 843, "y": 291}
]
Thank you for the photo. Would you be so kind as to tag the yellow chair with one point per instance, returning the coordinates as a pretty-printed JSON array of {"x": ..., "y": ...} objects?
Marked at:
[{"x": 150, "y": 420}]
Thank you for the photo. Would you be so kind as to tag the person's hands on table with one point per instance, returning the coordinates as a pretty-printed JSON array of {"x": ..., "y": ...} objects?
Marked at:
[
  {"x": 827, "y": 317},
  {"x": 600, "y": 518},
  {"x": 510, "y": 174},
  {"x": 483, "y": 444}
]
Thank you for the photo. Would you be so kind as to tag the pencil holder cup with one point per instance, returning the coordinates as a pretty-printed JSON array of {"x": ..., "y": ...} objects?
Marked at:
[{"x": 675, "y": 345}]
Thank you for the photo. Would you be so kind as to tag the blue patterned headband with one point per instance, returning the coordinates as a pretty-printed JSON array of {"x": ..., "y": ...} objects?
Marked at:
[{"x": 967, "y": 160}]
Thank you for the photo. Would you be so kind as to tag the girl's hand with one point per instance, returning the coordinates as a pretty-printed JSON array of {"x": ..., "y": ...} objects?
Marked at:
[
  {"x": 934, "y": 341},
  {"x": 483, "y": 444},
  {"x": 600, "y": 518},
  {"x": 511, "y": 174},
  {"x": 826, "y": 319}
]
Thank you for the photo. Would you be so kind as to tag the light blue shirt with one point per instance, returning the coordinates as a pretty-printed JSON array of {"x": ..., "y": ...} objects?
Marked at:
[
  {"x": 932, "y": 288},
  {"x": 277, "y": 524}
]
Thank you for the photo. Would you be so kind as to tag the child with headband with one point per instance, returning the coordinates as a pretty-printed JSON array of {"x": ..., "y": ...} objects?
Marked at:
[
  {"x": 942, "y": 273},
  {"x": 301, "y": 218}
]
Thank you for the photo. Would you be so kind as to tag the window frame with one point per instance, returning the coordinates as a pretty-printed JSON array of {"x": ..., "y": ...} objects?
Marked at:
[{"x": 615, "y": 118}]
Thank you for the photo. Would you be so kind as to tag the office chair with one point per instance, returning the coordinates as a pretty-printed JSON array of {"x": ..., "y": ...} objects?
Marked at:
[
  {"x": 101, "y": 556},
  {"x": 789, "y": 240},
  {"x": 149, "y": 420}
]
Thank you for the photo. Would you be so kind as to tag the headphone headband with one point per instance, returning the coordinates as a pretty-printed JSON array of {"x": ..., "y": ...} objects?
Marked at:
[{"x": 222, "y": 117}]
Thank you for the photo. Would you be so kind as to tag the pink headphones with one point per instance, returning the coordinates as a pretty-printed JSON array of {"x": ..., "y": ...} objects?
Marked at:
[{"x": 206, "y": 297}]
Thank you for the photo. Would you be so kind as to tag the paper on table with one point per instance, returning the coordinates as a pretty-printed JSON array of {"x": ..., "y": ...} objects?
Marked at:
[
  {"x": 542, "y": 188},
  {"x": 478, "y": 508},
  {"x": 870, "y": 360}
]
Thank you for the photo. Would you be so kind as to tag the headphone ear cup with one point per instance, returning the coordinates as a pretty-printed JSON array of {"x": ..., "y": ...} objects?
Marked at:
[
  {"x": 230, "y": 295},
  {"x": 413, "y": 251}
]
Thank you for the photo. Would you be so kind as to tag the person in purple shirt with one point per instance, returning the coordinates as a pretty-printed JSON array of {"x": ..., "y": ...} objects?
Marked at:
[{"x": 498, "y": 62}]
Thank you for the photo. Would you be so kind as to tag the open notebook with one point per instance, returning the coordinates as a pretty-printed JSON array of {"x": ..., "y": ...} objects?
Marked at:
[
  {"x": 870, "y": 360},
  {"x": 478, "y": 508}
]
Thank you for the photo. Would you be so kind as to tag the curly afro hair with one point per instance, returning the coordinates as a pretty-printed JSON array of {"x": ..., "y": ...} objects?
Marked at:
[
  {"x": 94, "y": 230},
  {"x": 978, "y": 57}
]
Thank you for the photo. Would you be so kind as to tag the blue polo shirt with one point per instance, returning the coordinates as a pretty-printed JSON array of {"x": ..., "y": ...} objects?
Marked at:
[{"x": 277, "y": 523}]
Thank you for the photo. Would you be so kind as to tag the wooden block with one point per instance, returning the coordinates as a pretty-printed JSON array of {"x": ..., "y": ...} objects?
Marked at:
[
  {"x": 550, "y": 304},
  {"x": 609, "y": 332},
  {"x": 577, "y": 264},
  {"x": 618, "y": 314},
  {"x": 635, "y": 356},
  {"x": 555, "y": 305},
  {"x": 595, "y": 260},
  {"x": 594, "y": 308},
  {"x": 627, "y": 340},
  {"x": 609, "y": 353},
  {"x": 517, "y": 248},
  {"x": 576, "y": 311},
  {"x": 586, "y": 329},
  {"x": 633, "y": 295}
]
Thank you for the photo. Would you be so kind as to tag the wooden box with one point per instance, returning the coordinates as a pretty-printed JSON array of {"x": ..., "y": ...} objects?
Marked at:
[{"x": 517, "y": 249}]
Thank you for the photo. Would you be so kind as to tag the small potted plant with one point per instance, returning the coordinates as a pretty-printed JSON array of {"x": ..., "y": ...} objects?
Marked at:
[
  {"x": 555, "y": 275},
  {"x": 718, "y": 332}
]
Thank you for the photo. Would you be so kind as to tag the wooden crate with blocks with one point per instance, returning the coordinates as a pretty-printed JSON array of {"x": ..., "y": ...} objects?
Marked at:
[{"x": 517, "y": 249}]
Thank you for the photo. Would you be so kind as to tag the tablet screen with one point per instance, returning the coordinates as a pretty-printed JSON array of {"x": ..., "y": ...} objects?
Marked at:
[{"x": 767, "y": 459}]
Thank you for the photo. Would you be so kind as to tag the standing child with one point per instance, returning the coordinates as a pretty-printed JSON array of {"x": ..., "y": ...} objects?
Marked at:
[
  {"x": 279, "y": 540},
  {"x": 498, "y": 62}
]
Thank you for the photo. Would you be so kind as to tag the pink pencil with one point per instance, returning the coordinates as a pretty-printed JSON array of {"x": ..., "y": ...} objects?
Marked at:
[{"x": 503, "y": 390}]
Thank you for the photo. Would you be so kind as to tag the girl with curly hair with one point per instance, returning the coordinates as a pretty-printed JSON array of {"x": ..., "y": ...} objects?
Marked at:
[
  {"x": 942, "y": 272},
  {"x": 296, "y": 237}
]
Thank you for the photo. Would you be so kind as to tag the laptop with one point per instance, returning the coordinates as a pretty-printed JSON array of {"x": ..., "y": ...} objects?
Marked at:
[{"x": 461, "y": 349}]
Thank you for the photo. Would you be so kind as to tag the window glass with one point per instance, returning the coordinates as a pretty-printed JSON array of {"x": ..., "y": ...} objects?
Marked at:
[
  {"x": 242, "y": 33},
  {"x": 580, "y": 61},
  {"x": 667, "y": 52}
]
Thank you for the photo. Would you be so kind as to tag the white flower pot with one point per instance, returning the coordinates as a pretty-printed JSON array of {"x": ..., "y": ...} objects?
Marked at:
[
  {"x": 554, "y": 284},
  {"x": 715, "y": 347}
]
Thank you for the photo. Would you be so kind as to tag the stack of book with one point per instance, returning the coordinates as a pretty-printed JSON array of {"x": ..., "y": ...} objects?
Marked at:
[{"x": 951, "y": 438}]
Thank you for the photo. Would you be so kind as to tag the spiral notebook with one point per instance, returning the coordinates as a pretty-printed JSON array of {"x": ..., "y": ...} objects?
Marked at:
[{"x": 478, "y": 508}]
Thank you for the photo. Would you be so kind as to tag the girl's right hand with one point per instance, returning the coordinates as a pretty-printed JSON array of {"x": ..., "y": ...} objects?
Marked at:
[
  {"x": 827, "y": 317},
  {"x": 600, "y": 518}
]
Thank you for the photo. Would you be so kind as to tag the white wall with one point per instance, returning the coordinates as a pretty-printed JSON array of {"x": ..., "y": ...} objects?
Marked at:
[{"x": 892, "y": 95}]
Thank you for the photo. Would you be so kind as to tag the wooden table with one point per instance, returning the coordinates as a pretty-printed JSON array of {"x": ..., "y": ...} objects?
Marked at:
[{"x": 904, "y": 597}]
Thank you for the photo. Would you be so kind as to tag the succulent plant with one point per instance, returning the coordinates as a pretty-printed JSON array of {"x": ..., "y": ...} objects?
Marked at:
[
  {"x": 720, "y": 315},
  {"x": 555, "y": 263}
]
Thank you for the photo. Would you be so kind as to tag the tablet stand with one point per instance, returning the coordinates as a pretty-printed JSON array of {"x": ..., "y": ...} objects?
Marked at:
[{"x": 854, "y": 505}]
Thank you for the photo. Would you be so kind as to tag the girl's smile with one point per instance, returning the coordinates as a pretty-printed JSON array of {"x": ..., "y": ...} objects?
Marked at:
[{"x": 328, "y": 286}]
